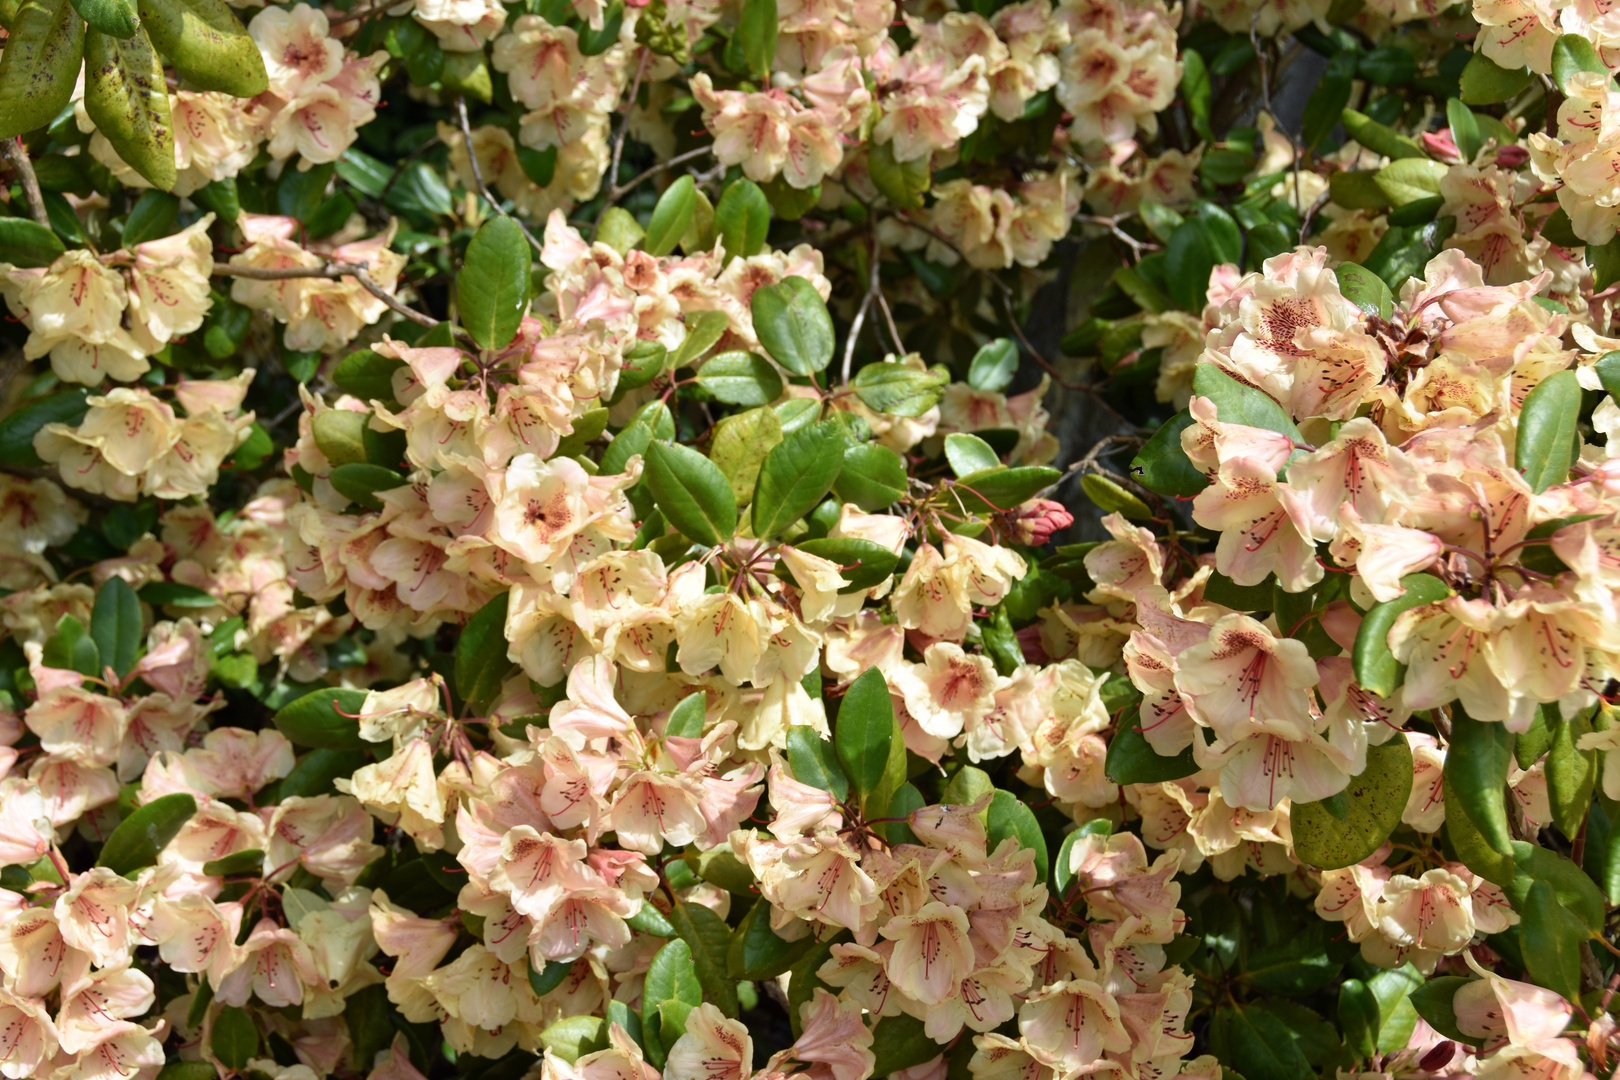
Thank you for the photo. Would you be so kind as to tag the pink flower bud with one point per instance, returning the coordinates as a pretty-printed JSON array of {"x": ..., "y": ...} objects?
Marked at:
[
  {"x": 1511, "y": 157},
  {"x": 1441, "y": 145},
  {"x": 1035, "y": 521}
]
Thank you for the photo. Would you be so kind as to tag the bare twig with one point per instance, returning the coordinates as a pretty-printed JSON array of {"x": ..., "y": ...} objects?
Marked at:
[
  {"x": 361, "y": 13},
  {"x": 618, "y": 140},
  {"x": 621, "y": 190},
  {"x": 330, "y": 272},
  {"x": 16, "y": 156},
  {"x": 478, "y": 175},
  {"x": 855, "y": 332},
  {"x": 883, "y": 301}
]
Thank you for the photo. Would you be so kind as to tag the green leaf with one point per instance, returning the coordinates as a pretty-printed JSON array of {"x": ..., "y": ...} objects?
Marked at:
[
  {"x": 740, "y": 378},
  {"x": 1366, "y": 290},
  {"x": 1571, "y": 55},
  {"x": 743, "y": 218},
  {"x": 481, "y": 660},
  {"x": 703, "y": 329},
  {"x": 994, "y": 365},
  {"x": 1605, "y": 263},
  {"x": 1357, "y": 191},
  {"x": 1571, "y": 774},
  {"x": 1434, "y": 1002},
  {"x": 671, "y": 977},
  {"x": 898, "y": 389},
  {"x": 115, "y": 625},
  {"x": 1001, "y": 490},
  {"x": 1236, "y": 403},
  {"x": 649, "y": 920},
  {"x": 651, "y": 421},
  {"x": 1377, "y": 798},
  {"x": 1552, "y": 940},
  {"x": 550, "y": 977},
  {"x": 235, "y": 1039},
  {"x": 901, "y": 182},
  {"x": 28, "y": 244},
  {"x": 492, "y": 290},
  {"x": 175, "y": 595},
  {"x": 873, "y": 477},
  {"x": 1196, "y": 93},
  {"x": 672, "y": 216},
  {"x": 1009, "y": 817},
  {"x": 573, "y": 1038},
  {"x": 1410, "y": 179},
  {"x": 756, "y": 952},
  {"x": 1328, "y": 100},
  {"x": 360, "y": 481},
  {"x": 116, "y": 17},
  {"x": 813, "y": 762},
  {"x": 1358, "y": 1018},
  {"x": 1477, "y": 764},
  {"x": 1163, "y": 467},
  {"x": 208, "y": 44},
  {"x": 708, "y": 936},
  {"x": 128, "y": 101},
  {"x": 619, "y": 230},
  {"x": 40, "y": 65},
  {"x": 367, "y": 375},
  {"x": 370, "y": 1018},
  {"x": 238, "y": 862},
  {"x": 1379, "y": 139},
  {"x": 1470, "y": 846},
  {"x": 686, "y": 719},
  {"x": 792, "y": 322},
  {"x": 1547, "y": 440},
  {"x": 587, "y": 428},
  {"x": 1110, "y": 498},
  {"x": 796, "y": 475},
  {"x": 1295, "y": 966},
  {"x": 867, "y": 736},
  {"x": 1258, "y": 1043},
  {"x": 151, "y": 218},
  {"x": 1575, "y": 891},
  {"x": 318, "y": 719},
  {"x": 136, "y": 842},
  {"x": 756, "y": 34},
  {"x": 864, "y": 563},
  {"x": 739, "y": 447},
  {"x": 1484, "y": 82},
  {"x": 1188, "y": 259},
  {"x": 1390, "y": 65},
  {"x": 969, "y": 454},
  {"x": 538, "y": 165},
  {"x": 691, "y": 492},
  {"x": 1131, "y": 760},
  {"x": 1377, "y": 670},
  {"x": 899, "y": 1042},
  {"x": 1464, "y": 129}
]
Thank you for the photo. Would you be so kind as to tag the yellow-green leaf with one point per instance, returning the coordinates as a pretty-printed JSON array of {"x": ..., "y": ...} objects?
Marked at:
[
  {"x": 207, "y": 44},
  {"x": 40, "y": 65},
  {"x": 125, "y": 95}
]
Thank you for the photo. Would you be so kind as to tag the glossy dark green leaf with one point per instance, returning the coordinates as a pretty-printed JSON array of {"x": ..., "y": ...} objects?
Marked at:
[
  {"x": 1571, "y": 773},
  {"x": 756, "y": 952},
  {"x": 235, "y": 1038},
  {"x": 1131, "y": 760},
  {"x": 1376, "y": 797},
  {"x": 1477, "y": 764},
  {"x": 814, "y": 762},
  {"x": 1471, "y": 847},
  {"x": 576, "y": 1036},
  {"x": 756, "y": 34},
  {"x": 1484, "y": 82},
  {"x": 1189, "y": 257},
  {"x": 367, "y": 375},
  {"x": 1464, "y": 129},
  {"x": 740, "y": 378},
  {"x": 1573, "y": 54},
  {"x": 151, "y": 218},
  {"x": 708, "y": 936},
  {"x": 1236, "y": 403},
  {"x": 481, "y": 660},
  {"x": 1197, "y": 94},
  {"x": 550, "y": 977},
  {"x": 594, "y": 42},
  {"x": 1546, "y": 445},
  {"x": 671, "y": 217},
  {"x": 208, "y": 44},
  {"x": 1257, "y": 1043},
  {"x": 649, "y": 920},
  {"x": 873, "y": 477},
  {"x": 1163, "y": 467},
  {"x": 40, "y": 65},
  {"x": 236, "y": 863},
  {"x": 1574, "y": 891},
  {"x": 325, "y": 719},
  {"x": 492, "y": 290},
  {"x": 71, "y": 648},
  {"x": 867, "y": 738},
  {"x": 863, "y": 563},
  {"x": 1380, "y": 139},
  {"x": 743, "y": 219},
  {"x": 652, "y": 421},
  {"x": 136, "y": 842},
  {"x": 1001, "y": 490},
  {"x": 691, "y": 492},
  {"x": 1365, "y": 289},
  {"x": 360, "y": 481},
  {"x": 899, "y": 1042},
  {"x": 1009, "y": 817},
  {"x": 1552, "y": 942},
  {"x": 1388, "y": 66},
  {"x": 795, "y": 476},
  {"x": 1377, "y": 670},
  {"x": 1358, "y": 1018},
  {"x": 25, "y": 243},
  {"x": 1434, "y": 1002},
  {"x": 128, "y": 100},
  {"x": 792, "y": 323},
  {"x": 116, "y": 625},
  {"x": 175, "y": 595},
  {"x": 703, "y": 330}
]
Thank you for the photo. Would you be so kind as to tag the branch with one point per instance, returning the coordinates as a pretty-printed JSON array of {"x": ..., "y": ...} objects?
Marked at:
[
  {"x": 16, "y": 155},
  {"x": 330, "y": 272},
  {"x": 619, "y": 191},
  {"x": 478, "y": 175},
  {"x": 618, "y": 141}
]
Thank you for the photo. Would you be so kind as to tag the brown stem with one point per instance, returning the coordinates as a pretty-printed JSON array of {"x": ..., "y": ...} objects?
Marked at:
[
  {"x": 16, "y": 155},
  {"x": 331, "y": 271},
  {"x": 478, "y": 175}
]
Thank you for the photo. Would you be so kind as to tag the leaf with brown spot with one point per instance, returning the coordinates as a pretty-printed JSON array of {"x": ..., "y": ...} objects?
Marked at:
[
  {"x": 206, "y": 43},
  {"x": 40, "y": 65},
  {"x": 127, "y": 100}
]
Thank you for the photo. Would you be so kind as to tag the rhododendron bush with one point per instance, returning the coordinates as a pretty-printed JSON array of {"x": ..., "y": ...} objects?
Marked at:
[{"x": 754, "y": 539}]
